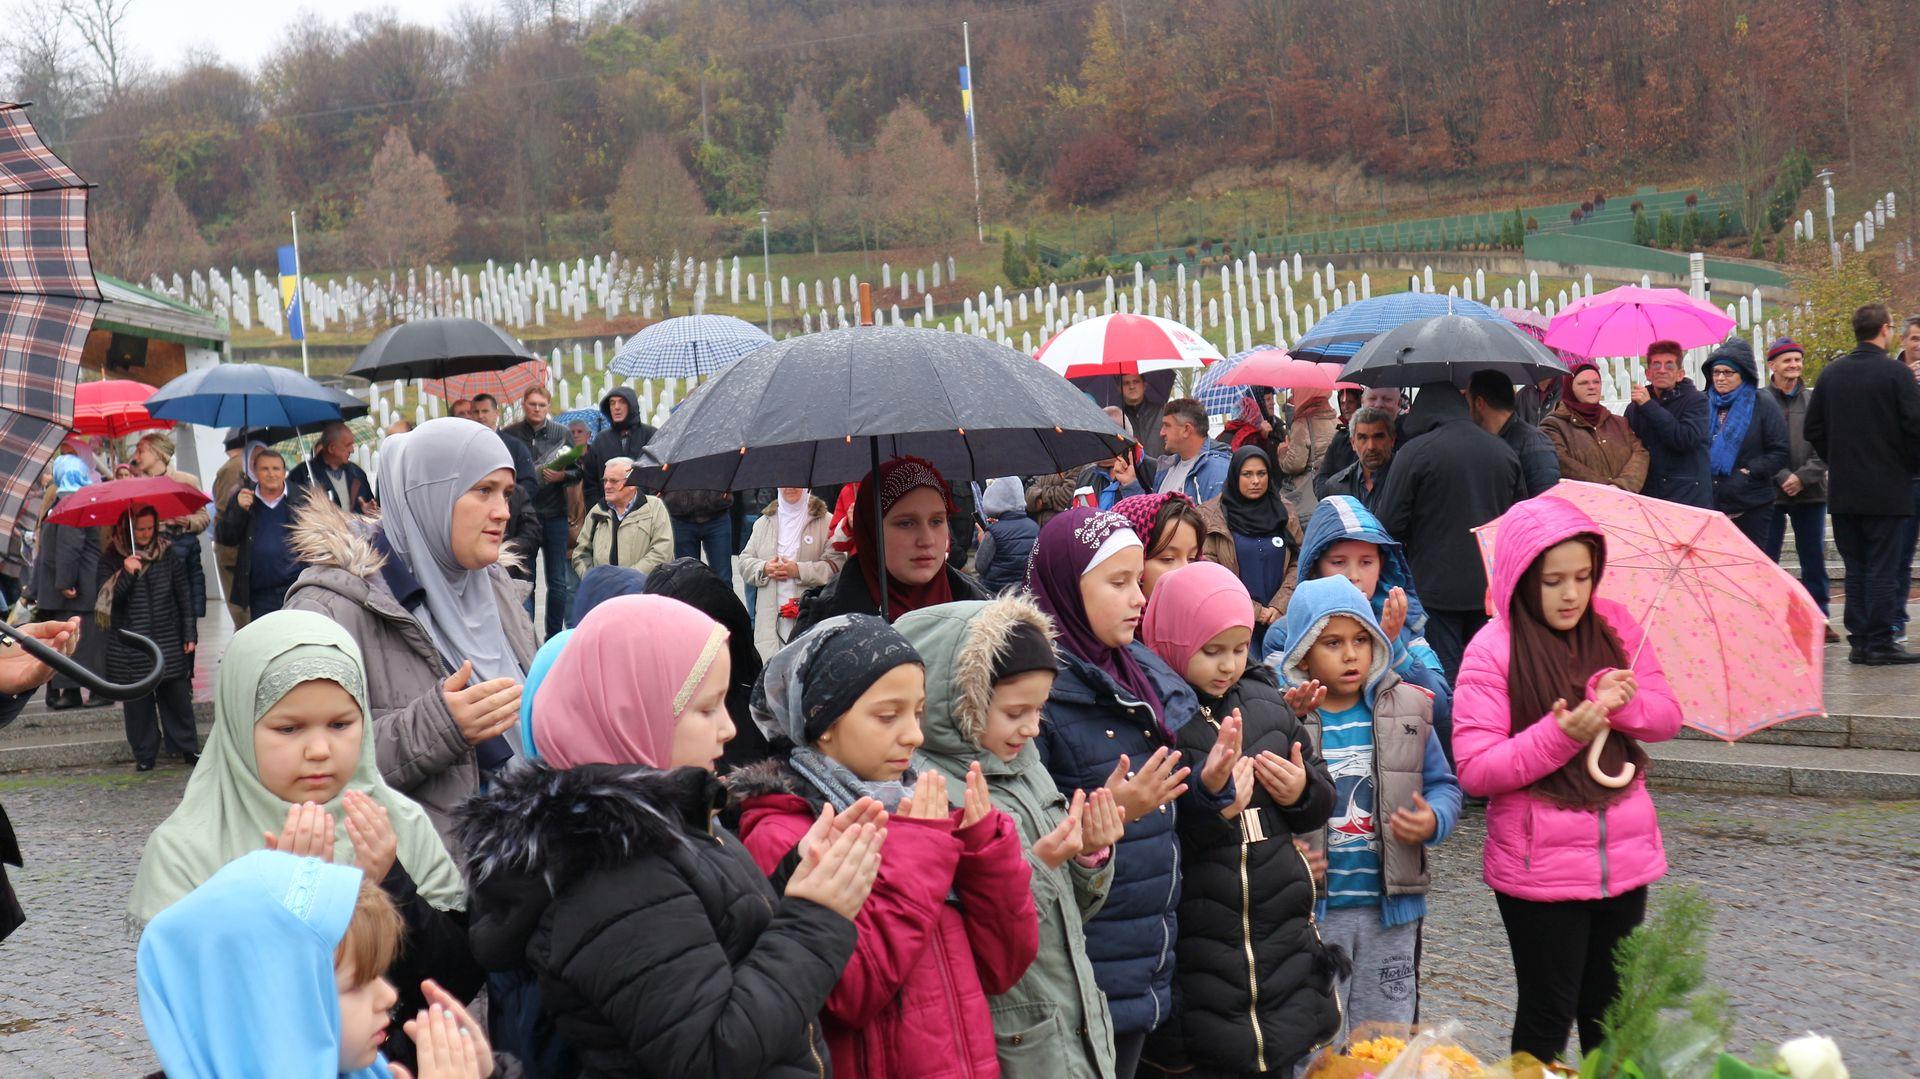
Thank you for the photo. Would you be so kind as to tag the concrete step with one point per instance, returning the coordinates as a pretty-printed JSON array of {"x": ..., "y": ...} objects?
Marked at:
[
  {"x": 1882, "y": 774},
  {"x": 1896, "y": 733},
  {"x": 75, "y": 737}
]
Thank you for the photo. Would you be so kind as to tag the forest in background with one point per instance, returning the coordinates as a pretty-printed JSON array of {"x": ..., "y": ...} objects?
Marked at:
[{"x": 546, "y": 129}]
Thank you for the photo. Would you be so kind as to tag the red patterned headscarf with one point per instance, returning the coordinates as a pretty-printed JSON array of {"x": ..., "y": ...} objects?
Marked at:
[{"x": 878, "y": 495}]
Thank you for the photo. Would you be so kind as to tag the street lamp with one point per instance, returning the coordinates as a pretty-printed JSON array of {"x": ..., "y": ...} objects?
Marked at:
[
  {"x": 766, "y": 271},
  {"x": 1826, "y": 181}
]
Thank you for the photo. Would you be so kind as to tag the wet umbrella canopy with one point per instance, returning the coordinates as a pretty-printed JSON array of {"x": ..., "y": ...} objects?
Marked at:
[
  {"x": 826, "y": 407},
  {"x": 437, "y": 348},
  {"x": 1450, "y": 348}
]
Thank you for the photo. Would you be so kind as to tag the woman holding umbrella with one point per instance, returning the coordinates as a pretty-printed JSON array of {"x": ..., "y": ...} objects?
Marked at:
[
  {"x": 144, "y": 589},
  {"x": 440, "y": 623},
  {"x": 1309, "y": 434},
  {"x": 154, "y": 457},
  {"x": 911, "y": 503}
]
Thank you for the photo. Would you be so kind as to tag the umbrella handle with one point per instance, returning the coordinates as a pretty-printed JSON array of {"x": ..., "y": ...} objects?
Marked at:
[
  {"x": 71, "y": 668},
  {"x": 1599, "y": 775}
]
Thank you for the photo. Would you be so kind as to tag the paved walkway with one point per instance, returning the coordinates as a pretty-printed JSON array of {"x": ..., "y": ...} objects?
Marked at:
[{"x": 1817, "y": 906}]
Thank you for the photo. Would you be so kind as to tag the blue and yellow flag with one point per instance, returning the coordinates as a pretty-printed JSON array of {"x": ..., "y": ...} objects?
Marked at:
[
  {"x": 966, "y": 97},
  {"x": 290, "y": 292}
]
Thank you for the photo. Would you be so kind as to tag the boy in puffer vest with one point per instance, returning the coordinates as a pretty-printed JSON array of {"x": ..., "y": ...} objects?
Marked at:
[{"x": 1394, "y": 794}]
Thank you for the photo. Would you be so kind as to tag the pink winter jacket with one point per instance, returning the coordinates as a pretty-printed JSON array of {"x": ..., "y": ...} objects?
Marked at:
[
  {"x": 1536, "y": 850},
  {"x": 950, "y": 921}
]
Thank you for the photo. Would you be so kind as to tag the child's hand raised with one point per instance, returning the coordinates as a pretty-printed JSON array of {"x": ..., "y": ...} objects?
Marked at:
[
  {"x": 1615, "y": 689},
  {"x": 1243, "y": 788},
  {"x": 1102, "y": 825},
  {"x": 1067, "y": 837},
  {"x": 308, "y": 832},
  {"x": 1303, "y": 699},
  {"x": 840, "y": 875},
  {"x": 1217, "y": 772},
  {"x": 1416, "y": 825},
  {"x": 1154, "y": 785},
  {"x": 1581, "y": 723},
  {"x": 1316, "y": 860},
  {"x": 929, "y": 800},
  {"x": 448, "y": 1044},
  {"x": 1284, "y": 777},
  {"x": 979, "y": 801},
  {"x": 1393, "y": 614},
  {"x": 371, "y": 832}
]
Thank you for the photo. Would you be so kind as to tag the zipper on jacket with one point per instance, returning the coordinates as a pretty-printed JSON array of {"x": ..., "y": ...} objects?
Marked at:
[
  {"x": 1313, "y": 920},
  {"x": 1603, "y": 852},
  {"x": 819, "y": 1066},
  {"x": 1246, "y": 933}
]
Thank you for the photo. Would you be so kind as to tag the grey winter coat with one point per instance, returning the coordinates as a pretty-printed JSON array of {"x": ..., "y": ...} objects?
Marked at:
[
  {"x": 420, "y": 750},
  {"x": 1802, "y": 459}
]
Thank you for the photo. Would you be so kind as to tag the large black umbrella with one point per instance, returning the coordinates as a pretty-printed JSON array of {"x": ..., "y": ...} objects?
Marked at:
[
  {"x": 437, "y": 348},
  {"x": 827, "y": 407},
  {"x": 1450, "y": 348}
]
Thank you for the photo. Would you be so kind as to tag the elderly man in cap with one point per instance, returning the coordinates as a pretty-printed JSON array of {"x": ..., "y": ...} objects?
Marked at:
[{"x": 1801, "y": 500}]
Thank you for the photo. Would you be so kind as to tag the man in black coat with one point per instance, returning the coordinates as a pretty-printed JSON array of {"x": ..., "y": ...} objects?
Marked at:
[
  {"x": 544, "y": 438},
  {"x": 333, "y": 474},
  {"x": 1865, "y": 423},
  {"x": 1491, "y": 399},
  {"x": 1370, "y": 449},
  {"x": 625, "y": 435},
  {"x": 1668, "y": 415},
  {"x": 1450, "y": 478}
]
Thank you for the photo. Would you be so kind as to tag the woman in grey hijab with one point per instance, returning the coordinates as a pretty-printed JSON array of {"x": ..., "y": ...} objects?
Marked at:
[{"x": 446, "y": 640}]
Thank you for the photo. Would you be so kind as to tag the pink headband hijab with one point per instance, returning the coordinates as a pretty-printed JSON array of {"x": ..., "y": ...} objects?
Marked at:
[
  {"x": 618, "y": 688},
  {"x": 1191, "y": 606}
]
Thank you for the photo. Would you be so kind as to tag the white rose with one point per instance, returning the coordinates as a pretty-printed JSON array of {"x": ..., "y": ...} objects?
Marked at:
[{"x": 1813, "y": 1057}]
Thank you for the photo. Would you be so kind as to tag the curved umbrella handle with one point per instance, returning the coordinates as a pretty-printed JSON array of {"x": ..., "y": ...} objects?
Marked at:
[
  {"x": 1599, "y": 775},
  {"x": 70, "y": 667}
]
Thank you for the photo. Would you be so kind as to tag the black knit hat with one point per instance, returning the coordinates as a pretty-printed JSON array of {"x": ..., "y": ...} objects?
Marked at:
[{"x": 1026, "y": 650}]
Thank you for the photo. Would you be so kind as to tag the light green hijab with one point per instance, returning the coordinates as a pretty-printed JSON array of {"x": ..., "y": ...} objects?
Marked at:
[{"x": 226, "y": 807}]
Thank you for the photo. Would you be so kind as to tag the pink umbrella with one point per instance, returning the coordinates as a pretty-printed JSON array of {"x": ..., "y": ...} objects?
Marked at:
[
  {"x": 504, "y": 386},
  {"x": 1526, "y": 318},
  {"x": 1333, "y": 372},
  {"x": 1273, "y": 367},
  {"x": 1125, "y": 344},
  {"x": 1740, "y": 640},
  {"x": 1625, "y": 320}
]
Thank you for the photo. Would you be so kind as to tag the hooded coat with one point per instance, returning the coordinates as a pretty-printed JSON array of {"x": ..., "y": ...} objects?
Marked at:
[
  {"x": 1449, "y": 478},
  {"x": 421, "y": 750},
  {"x": 950, "y": 922},
  {"x": 1253, "y": 984},
  {"x": 614, "y": 441},
  {"x": 1765, "y": 450},
  {"x": 1054, "y": 1021},
  {"x": 1002, "y": 558},
  {"x": 659, "y": 946},
  {"x": 1407, "y": 757},
  {"x": 1674, "y": 427},
  {"x": 1536, "y": 850}
]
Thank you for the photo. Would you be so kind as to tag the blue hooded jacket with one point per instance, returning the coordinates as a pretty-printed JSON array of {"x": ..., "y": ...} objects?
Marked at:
[
  {"x": 1343, "y": 517},
  {"x": 1313, "y": 603}
]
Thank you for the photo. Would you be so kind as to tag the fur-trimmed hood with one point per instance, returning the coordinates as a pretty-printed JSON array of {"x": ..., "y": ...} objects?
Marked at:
[
  {"x": 815, "y": 507},
  {"x": 960, "y": 642},
  {"x": 767, "y": 777}
]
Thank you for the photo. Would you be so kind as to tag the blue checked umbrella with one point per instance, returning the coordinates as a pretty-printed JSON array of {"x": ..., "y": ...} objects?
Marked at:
[
  {"x": 690, "y": 346},
  {"x": 596, "y": 422},
  {"x": 1221, "y": 400},
  {"x": 1342, "y": 333}
]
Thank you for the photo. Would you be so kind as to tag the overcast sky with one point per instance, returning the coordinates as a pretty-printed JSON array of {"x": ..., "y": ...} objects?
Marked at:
[{"x": 243, "y": 32}]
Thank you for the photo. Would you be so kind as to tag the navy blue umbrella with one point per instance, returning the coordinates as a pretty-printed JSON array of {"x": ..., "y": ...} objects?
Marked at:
[
  {"x": 1340, "y": 335},
  {"x": 249, "y": 395}
]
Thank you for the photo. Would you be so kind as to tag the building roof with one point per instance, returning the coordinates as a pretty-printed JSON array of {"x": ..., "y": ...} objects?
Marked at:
[{"x": 134, "y": 310}]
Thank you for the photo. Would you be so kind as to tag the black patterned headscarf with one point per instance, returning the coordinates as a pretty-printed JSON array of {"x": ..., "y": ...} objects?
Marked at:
[{"x": 813, "y": 681}]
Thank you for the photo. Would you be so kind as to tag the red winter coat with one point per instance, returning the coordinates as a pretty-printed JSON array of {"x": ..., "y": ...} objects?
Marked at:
[{"x": 950, "y": 921}]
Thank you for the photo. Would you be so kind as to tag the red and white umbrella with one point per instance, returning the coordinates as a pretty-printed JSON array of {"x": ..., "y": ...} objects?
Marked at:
[{"x": 1125, "y": 344}]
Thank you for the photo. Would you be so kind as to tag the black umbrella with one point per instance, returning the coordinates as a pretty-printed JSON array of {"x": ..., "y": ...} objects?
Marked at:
[
  {"x": 829, "y": 407},
  {"x": 1450, "y": 348},
  {"x": 437, "y": 348}
]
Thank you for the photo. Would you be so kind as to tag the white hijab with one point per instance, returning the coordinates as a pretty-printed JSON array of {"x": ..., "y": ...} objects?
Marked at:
[
  {"x": 791, "y": 519},
  {"x": 422, "y": 474}
]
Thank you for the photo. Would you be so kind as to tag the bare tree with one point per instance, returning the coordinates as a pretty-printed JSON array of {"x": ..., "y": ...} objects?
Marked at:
[
  {"x": 100, "y": 25},
  {"x": 39, "y": 62},
  {"x": 807, "y": 175}
]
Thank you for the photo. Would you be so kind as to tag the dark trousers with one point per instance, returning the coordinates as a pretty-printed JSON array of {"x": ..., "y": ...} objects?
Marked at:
[
  {"x": 716, "y": 536},
  {"x": 554, "y": 557},
  {"x": 1126, "y": 1053},
  {"x": 90, "y": 652},
  {"x": 1870, "y": 547},
  {"x": 1756, "y": 523},
  {"x": 172, "y": 699},
  {"x": 1809, "y": 521},
  {"x": 262, "y": 602},
  {"x": 1909, "y": 539},
  {"x": 1563, "y": 966}
]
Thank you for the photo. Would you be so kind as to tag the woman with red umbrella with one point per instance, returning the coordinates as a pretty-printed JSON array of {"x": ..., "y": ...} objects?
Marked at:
[{"x": 144, "y": 589}]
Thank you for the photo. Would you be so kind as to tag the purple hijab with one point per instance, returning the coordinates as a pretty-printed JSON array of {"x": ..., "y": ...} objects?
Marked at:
[{"x": 1063, "y": 553}]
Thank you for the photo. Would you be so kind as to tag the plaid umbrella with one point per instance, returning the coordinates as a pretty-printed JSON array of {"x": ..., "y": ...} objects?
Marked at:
[
  {"x": 48, "y": 299},
  {"x": 1221, "y": 400},
  {"x": 504, "y": 386},
  {"x": 596, "y": 422},
  {"x": 690, "y": 346}
]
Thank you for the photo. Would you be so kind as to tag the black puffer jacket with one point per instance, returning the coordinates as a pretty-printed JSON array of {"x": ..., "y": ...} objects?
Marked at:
[
  {"x": 1246, "y": 909},
  {"x": 659, "y": 947},
  {"x": 614, "y": 441},
  {"x": 156, "y": 603}
]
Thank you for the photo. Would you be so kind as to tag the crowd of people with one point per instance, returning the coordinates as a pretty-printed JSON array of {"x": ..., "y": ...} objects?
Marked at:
[{"x": 1144, "y": 785}]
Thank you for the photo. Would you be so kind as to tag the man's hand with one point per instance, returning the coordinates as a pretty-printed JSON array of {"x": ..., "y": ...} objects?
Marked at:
[
  {"x": 1639, "y": 393},
  {"x": 1791, "y": 485},
  {"x": 246, "y": 499},
  {"x": 551, "y": 475},
  {"x": 20, "y": 672}
]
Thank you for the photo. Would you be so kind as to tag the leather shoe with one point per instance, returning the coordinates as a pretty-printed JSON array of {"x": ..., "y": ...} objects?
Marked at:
[{"x": 1884, "y": 656}]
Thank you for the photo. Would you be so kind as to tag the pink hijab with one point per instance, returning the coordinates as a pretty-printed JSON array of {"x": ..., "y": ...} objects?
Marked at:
[
  {"x": 619, "y": 686},
  {"x": 1191, "y": 606}
]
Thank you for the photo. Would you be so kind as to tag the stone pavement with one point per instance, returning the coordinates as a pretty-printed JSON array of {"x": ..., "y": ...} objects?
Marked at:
[{"x": 1818, "y": 903}]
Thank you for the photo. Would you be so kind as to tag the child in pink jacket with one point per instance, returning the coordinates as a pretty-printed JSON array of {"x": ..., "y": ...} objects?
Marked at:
[
  {"x": 1569, "y": 854},
  {"x": 950, "y": 920}
]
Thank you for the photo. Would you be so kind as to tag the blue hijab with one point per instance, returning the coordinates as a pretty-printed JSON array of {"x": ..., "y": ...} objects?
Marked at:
[
  {"x": 1732, "y": 412},
  {"x": 536, "y": 674},
  {"x": 600, "y": 584},
  {"x": 70, "y": 473},
  {"x": 237, "y": 977}
]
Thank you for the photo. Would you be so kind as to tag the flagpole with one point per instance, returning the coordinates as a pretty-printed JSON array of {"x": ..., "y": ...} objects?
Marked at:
[
  {"x": 973, "y": 141},
  {"x": 298, "y": 286}
]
